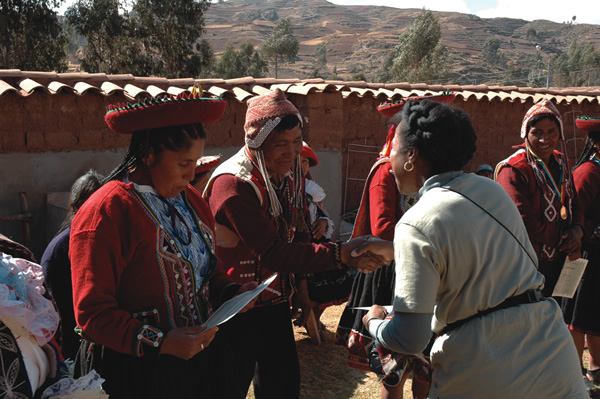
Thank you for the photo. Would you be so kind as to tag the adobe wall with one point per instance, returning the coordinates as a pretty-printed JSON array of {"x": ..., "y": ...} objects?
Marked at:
[{"x": 47, "y": 141}]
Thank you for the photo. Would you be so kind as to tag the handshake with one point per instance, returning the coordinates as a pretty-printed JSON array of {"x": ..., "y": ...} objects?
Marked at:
[{"x": 367, "y": 253}]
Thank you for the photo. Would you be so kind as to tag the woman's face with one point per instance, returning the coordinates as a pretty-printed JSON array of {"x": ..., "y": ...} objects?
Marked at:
[
  {"x": 543, "y": 137},
  {"x": 281, "y": 149},
  {"x": 405, "y": 180},
  {"x": 304, "y": 164},
  {"x": 172, "y": 171}
]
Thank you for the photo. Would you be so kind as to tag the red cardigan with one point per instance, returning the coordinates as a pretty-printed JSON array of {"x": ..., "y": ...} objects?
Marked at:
[
  {"x": 130, "y": 284},
  {"x": 380, "y": 208},
  {"x": 587, "y": 184}
]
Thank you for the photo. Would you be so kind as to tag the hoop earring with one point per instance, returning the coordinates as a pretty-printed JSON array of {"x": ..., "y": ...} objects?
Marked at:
[{"x": 412, "y": 166}]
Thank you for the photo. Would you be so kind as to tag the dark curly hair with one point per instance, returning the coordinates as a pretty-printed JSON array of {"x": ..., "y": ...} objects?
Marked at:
[{"x": 443, "y": 134}]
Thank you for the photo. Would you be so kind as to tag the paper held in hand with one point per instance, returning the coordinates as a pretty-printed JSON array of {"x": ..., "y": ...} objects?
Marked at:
[
  {"x": 231, "y": 307},
  {"x": 570, "y": 275}
]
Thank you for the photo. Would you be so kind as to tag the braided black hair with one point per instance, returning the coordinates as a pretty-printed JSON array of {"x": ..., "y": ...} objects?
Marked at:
[
  {"x": 443, "y": 134},
  {"x": 589, "y": 149},
  {"x": 173, "y": 138}
]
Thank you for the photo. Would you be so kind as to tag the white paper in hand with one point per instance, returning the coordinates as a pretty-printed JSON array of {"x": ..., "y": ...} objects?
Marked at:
[
  {"x": 231, "y": 307},
  {"x": 570, "y": 275}
]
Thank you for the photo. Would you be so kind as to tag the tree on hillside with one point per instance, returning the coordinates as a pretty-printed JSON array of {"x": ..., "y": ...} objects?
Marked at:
[
  {"x": 491, "y": 53},
  {"x": 281, "y": 46},
  {"x": 579, "y": 66},
  {"x": 321, "y": 55},
  {"x": 158, "y": 37},
  {"x": 238, "y": 63},
  {"x": 170, "y": 31},
  {"x": 31, "y": 37},
  {"x": 110, "y": 46},
  {"x": 419, "y": 55}
]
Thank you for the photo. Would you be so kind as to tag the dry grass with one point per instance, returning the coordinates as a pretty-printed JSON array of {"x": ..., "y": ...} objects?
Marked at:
[{"x": 324, "y": 374}]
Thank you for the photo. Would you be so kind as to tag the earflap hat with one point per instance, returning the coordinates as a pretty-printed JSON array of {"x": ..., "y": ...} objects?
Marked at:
[
  {"x": 264, "y": 114},
  {"x": 542, "y": 107}
]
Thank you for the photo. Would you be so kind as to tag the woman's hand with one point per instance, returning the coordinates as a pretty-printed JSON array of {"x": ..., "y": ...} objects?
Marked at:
[
  {"x": 376, "y": 312},
  {"x": 356, "y": 254},
  {"x": 187, "y": 342},
  {"x": 570, "y": 242},
  {"x": 248, "y": 287},
  {"x": 319, "y": 228}
]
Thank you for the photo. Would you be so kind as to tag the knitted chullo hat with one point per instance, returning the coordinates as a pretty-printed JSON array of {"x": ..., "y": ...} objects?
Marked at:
[
  {"x": 264, "y": 114},
  {"x": 542, "y": 107}
]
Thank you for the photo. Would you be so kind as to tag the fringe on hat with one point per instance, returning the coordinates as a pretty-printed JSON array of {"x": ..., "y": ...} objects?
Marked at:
[{"x": 297, "y": 221}]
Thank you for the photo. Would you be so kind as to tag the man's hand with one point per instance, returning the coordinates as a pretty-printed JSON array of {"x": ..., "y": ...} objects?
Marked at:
[{"x": 357, "y": 253}]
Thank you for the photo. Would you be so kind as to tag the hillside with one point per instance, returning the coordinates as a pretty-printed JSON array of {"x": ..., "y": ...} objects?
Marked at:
[{"x": 359, "y": 37}]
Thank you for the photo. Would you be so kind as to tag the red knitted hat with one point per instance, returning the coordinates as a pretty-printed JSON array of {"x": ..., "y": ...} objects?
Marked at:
[
  {"x": 310, "y": 154},
  {"x": 264, "y": 114},
  {"x": 207, "y": 162},
  {"x": 184, "y": 109},
  {"x": 390, "y": 109},
  {"x": 588, "y": 123}
]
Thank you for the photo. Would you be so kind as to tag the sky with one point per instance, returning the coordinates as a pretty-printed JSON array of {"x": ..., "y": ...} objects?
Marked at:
[{"x": 585, "y": 11}]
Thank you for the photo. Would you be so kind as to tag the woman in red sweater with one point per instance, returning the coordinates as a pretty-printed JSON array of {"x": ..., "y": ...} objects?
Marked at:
[
  {"x": 581, "y": 312},
  {"x": 145, "y": 275}
]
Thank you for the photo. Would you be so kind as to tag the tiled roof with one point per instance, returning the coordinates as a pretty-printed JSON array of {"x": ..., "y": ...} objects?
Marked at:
[{"x": 24, "y": 83}]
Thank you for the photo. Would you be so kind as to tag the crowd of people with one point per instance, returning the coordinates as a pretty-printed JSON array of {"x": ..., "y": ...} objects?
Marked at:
[{"x": 448, "y": 276}]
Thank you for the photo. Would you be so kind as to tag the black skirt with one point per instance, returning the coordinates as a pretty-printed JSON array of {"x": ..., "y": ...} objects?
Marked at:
[
  {"x": 206, "y": 375},
  {"x": 367, "y": 290},
  {"x": 581, "y": 311}
]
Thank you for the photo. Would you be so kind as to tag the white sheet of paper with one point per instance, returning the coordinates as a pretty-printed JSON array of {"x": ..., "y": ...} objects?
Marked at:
[
  {"x": 570, "y": 275},
  {"x": 231, "y": 307}
]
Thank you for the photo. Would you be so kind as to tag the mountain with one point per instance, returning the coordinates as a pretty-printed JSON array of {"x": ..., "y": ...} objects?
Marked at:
[{"x": 359, "y": 37}]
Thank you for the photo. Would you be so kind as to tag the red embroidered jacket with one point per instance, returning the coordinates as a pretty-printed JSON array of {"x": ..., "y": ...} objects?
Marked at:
[{"x": 130, "y": 282}]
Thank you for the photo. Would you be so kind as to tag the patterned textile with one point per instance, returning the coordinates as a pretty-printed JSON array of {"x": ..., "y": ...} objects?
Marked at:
[
  {"x": 14, "y": 382},
  {"x": 197, "y": 251},
  {"x": 264, "y": 114}
]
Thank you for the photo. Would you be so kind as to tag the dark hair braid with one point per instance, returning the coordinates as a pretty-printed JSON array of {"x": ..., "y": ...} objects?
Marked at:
[
  {"x": 443, "y": 134},
  {"x": 589, "y": 149},
  {"x": 173, "y": 138}
]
